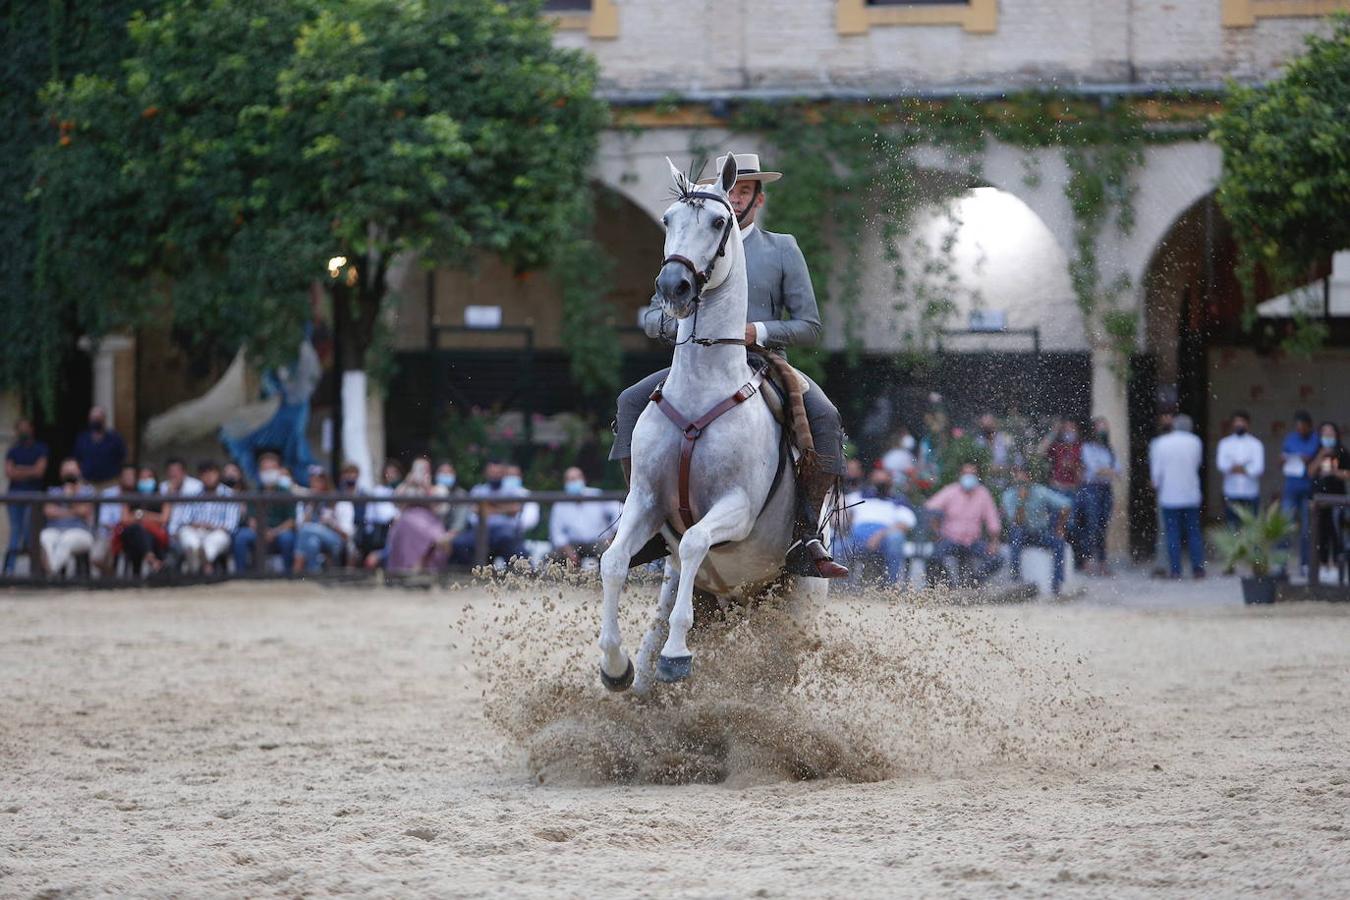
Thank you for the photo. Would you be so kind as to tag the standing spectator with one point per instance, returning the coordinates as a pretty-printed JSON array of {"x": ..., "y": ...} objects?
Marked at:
[
  {"x": 899, "y": 460},
  {"x": 879, "y": 522},
  {"x": 1300, "y": 446},
  {"x": 1241, "y": 460},
  {"x": 206, "y": 530},
  {"x": 274, "y": 522},
  {"x": 417, "y": 539},
  {"x": 110, "y": 515},
  {"x": 506, "y": 517},
  {"x": 1036, "y": 517},
  {"x": 1330, "y": 471},
  {"x": 99, "y": 450},
  {"x": 68, "y": 534},
  {"x": 1000, "y": 447},
  {"x": 1064, "y": 453},
  {"x": 1165, "y": 416},
  {"x": 142, "y": 536},
  {"x": 25, "y": 467},
  {"x": 1101, "y": 467},
  {"x": 322, "y": 526},
  {"x": 580, "y": 530},
  {"x": 1174, "y": 467},
  {"x": 965, "y": 507}
]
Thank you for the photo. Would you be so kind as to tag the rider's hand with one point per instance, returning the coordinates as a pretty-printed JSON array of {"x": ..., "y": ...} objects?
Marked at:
[{"x": 750, "y": 335}]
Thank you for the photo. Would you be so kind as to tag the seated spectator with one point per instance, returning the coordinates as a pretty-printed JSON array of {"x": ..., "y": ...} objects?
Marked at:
[
  {"x": 142, "y": 536},
  {"x": 68, "y": 533},
  {"x": 233, "y": 477},
  {"x": 109, "y": 516},
  {"x": 965, "y": 508},
  {"x": 899, "y": 460},
  {"x": 855, "y": 479},
  {"x": 206, "y": 530},
  {"x": 455, "y": 516},
  {"x": 1036, "y": 517},
  {"x": 177, "y": 481},
  {"x": 274, "y": 521},
  {"x": 879, "y": 522},
  {"x": 322, "y": 526},
  {"x": 25, "y": 467},
  {"x": 417, "y": 538},
  {"x": 373, "y": 519},
  {"x": 578, "y": 531},
  {"x": 507, "y": 519}
]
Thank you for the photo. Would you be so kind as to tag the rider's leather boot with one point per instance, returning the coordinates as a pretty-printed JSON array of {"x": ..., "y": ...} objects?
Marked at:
[
  {"x": 655, "y": 548},
  {"x": 814, "y": 561}
]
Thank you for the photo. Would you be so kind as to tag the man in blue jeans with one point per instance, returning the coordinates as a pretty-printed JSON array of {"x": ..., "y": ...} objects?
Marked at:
[
  {"x": 1036, "y": 516},
  {"x": 25, "y": 467},
  {"x": 1300, "y": 446},
  {"x": 1174, "y": 466}
]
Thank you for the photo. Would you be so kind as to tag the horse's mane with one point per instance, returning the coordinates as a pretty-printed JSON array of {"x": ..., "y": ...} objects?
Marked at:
[{"x": 686, "y": 191}]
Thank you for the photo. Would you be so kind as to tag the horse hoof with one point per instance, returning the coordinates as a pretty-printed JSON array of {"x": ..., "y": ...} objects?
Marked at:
[
  {"x": 622, "y": 683},
  {"x": 674, "y": 668}
]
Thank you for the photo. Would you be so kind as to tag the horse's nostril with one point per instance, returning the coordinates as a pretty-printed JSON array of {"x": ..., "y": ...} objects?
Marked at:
[{"x": 682, "y": 288}]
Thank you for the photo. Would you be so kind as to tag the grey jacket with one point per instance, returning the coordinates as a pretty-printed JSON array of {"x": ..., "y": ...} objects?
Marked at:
[{"x": 780, "y": 293}]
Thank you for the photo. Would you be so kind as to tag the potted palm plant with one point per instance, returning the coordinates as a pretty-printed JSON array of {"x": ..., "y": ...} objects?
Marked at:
[{"x": 1255, "y": 547}]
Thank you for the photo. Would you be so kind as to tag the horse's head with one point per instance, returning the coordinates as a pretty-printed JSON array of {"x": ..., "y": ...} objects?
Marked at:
[{"x": 698, "y": 227}]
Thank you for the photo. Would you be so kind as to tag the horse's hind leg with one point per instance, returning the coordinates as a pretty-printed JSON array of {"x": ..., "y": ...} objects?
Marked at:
[
  {"x": 729, "y": 519},
  {"x": 637, "y": 524},
  {"x": 656, "y": 631}
]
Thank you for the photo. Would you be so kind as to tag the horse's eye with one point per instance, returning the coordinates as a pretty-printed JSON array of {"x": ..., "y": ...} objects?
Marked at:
[{"x": 719, "y": 222}]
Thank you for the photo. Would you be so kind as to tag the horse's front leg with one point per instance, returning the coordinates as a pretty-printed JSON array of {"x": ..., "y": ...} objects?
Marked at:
[
  {"x": 656, "y": 631},
  {"x": 730, "y": 519},
  {"x": 639, "y": 522}
]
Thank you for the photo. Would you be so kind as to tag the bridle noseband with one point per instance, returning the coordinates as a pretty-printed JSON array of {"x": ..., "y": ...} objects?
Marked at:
[{"x": 701, "y": 277}]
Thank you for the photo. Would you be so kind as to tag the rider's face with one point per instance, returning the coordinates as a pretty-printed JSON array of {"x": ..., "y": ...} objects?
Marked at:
[{"x": 744, "y": 197}]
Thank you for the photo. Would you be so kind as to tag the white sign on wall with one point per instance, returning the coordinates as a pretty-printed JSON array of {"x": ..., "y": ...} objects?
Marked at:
[{"x": 483, "y": 317}]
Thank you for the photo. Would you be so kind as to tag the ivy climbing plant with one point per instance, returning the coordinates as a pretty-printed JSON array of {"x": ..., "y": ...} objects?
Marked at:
[{"x": 856, "y": 174}]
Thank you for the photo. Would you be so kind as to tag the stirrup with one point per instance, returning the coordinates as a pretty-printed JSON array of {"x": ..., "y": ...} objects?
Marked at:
[{"x": 809, "y": 558}]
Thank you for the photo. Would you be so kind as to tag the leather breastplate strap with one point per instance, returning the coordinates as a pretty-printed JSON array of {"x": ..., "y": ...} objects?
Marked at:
[{"x": 692, "y": 431}]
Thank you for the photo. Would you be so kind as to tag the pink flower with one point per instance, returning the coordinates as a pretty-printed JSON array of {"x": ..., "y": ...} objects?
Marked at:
[{"x": 958, "y": 432}]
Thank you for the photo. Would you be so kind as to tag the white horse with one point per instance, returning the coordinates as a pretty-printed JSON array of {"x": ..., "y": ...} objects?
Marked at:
[{"x": 741, "y": 500}]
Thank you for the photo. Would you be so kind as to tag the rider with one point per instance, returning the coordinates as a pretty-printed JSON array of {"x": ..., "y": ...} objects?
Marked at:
[{"x": 782, "y": 312}]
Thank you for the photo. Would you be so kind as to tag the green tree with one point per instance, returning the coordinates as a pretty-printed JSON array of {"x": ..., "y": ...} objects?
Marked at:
[
  {"x": 246, "y": 143},
  {"x": 1286, "y": 161}
]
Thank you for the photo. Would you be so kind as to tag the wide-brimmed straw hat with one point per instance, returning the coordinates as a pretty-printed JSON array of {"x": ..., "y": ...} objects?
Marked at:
[{"x": 747, "y": 169}]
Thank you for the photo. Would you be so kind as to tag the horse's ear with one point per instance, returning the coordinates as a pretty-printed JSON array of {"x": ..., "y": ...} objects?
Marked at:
[
  {"x": 728, "y": 174},
  {"x": 680, "y": 179}
]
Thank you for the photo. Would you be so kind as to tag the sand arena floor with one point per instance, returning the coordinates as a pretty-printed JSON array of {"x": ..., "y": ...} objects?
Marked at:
[{"x": 259, "y": 740}]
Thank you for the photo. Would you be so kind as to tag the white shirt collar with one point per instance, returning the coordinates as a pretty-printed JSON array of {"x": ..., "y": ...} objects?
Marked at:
[{"x": 745, "y": 232}]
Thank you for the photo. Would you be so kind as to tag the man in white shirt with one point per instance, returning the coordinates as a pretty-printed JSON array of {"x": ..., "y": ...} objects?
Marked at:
[
  {"x": 507, "y": 519},
  {"x": 580, "y": 530},
  {"x": 1174, "y": 465},
  {"x": 879, "y": 523},
  {"x": 1241, "y": 459}
]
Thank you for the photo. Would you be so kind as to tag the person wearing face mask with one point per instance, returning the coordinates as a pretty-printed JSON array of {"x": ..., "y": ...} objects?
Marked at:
[
  {"x": 110, "y": 515},
  {"x": 877, "y": 523},
  {"x": 580, "y": 531},
  {"x": 1035, "y": 516},
  {"x": 1101, "y": 467},
  {"x": 900, "y": 460},
  {"x": 968, "y": 530},
  {"x": 142, "y": 538},
  {"x": 25, "y": 468},
  {"x": 508, "y": 517},
  {"x": 1241, "y": 460},
  {"x": 455, "y": 516},
  {"x": 273, "y": 521},
  {"x": 67, "y": 535},
  {"x": 99, "y": 450},
  {"x": 417, "y": 538},
  {"x": 1330, "y": 470},
  {"x": 374, "y": 518}
]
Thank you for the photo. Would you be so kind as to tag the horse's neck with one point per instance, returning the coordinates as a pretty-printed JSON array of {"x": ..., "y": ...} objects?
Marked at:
[{"x": 699, "y": 371}]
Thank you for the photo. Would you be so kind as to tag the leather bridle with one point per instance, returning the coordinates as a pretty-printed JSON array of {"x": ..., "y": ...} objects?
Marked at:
[{"x": 701, "y": 277}]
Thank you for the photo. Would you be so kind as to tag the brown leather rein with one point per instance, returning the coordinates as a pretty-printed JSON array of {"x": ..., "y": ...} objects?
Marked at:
[{"x": 693, "y": 430}]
